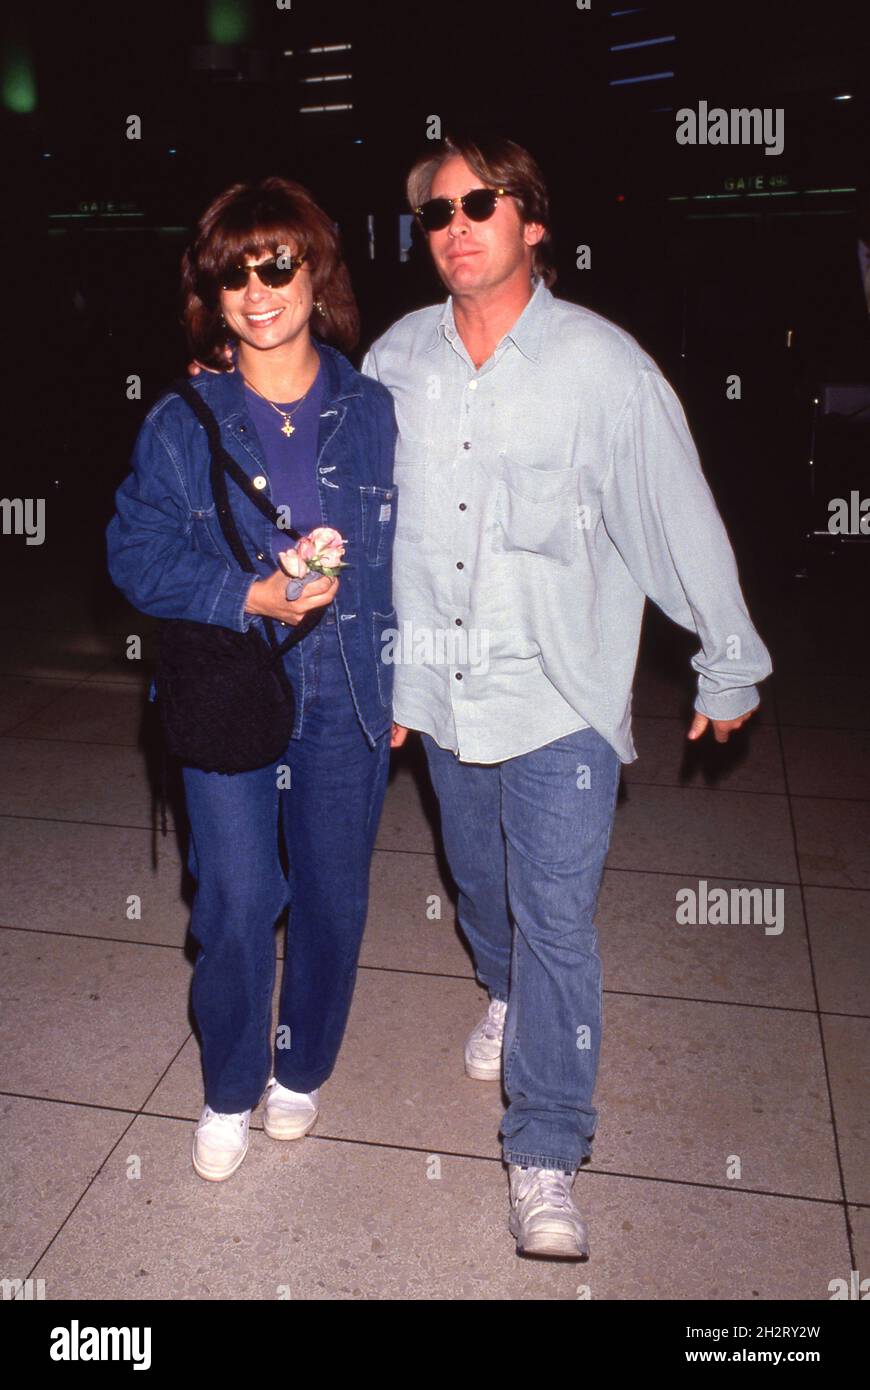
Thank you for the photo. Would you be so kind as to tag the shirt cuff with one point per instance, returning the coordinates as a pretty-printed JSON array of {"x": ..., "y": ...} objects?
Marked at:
[
  {"x": 229, "y": 609},
  {"x": 728, "y": 704}
]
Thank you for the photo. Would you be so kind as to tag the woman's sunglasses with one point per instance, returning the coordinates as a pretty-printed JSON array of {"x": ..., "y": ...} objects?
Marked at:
[
  {"x": 269, "y": 273},
  {"x": 478, "y": 206}
]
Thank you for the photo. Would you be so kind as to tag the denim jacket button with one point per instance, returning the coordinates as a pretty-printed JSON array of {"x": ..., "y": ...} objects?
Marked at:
[{"x": 259, "y": 482}]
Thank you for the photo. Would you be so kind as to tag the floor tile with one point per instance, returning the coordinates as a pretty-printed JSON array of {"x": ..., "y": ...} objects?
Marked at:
[
  {"x": 751, "y": 760},
  {"x": 839, "y": 923},
  {"x": 412, "y": 922},
  {"x": 833, "y": 840},
  {"x": 828, "y": 762},
  {"x": 77, "y": 879},
  {"x": 50, "y": 1154},
  {"x": 77, "y": 782},
  {"x": 684, "y": 1087},
  {"x": 89, "y": 1021},
  {"x": 95, "y": 712},
  {"x": 679, "y": 830},
  {"x": 21, "y": 698},
  {"x": 645, "y": 950}
]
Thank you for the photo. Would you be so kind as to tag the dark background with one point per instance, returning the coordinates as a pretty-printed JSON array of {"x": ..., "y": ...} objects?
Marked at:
[{"x": 710, "y": 275}]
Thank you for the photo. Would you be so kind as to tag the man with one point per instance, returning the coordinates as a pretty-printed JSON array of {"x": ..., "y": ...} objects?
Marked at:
[{"x": 548, "y": 483}]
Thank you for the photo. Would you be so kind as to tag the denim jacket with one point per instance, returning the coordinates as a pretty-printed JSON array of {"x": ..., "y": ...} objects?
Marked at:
[{"x": 167, "y": 553}]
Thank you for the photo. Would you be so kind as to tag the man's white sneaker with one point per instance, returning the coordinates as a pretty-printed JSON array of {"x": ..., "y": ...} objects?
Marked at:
[
  {"x": 544, "y": 1219},
  {"x": 483, "y": 1048},
  {"x": 220, "y": 1142},
  {"x": 289, "y": 1114}
]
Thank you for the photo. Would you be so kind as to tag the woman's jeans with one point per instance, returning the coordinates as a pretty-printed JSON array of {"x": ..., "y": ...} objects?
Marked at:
[
  {"x": 526, "y": 841},
  {"x": 328, "y": 816}
]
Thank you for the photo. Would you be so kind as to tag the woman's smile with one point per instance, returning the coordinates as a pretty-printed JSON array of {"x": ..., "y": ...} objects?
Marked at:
[{"x": 264, "y": 315}]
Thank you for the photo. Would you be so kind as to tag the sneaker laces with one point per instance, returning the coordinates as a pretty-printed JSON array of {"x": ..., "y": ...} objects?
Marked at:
[
  {"x": 493, "y": 1024},
  {"x": 547, "y": 1187},
  {"x": 236, "y": 1122}
]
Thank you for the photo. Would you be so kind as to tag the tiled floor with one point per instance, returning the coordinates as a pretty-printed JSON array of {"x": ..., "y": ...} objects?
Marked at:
[{"x": 727, "y": 1050}]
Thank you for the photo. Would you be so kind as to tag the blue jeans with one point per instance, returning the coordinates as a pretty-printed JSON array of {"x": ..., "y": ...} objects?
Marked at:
[
  {"x": 526, "y": 840},
  {"x": 328, "y": 817}
]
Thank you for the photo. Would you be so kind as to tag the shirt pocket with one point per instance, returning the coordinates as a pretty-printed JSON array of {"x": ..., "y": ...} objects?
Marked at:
[
  {"x": 536, "y": 511},
  {"x": 378, "y": 505},
  {"x": 409, "y": 470}
]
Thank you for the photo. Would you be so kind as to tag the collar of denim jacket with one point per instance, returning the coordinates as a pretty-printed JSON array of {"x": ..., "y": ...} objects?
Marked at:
[
  {"x": 526, "y": 334},
  {"x": 226, "y": 390}
]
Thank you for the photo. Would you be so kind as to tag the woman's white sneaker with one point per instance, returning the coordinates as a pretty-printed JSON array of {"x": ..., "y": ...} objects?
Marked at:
[
  {"x": 483, "y": 1048},
  {"x": 544, "y": 1219},
  {"x": 220, "y": 1142},
  {"x": 289, "y": 1114}
]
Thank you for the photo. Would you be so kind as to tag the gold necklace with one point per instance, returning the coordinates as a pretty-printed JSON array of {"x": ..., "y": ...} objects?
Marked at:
[{"x": 288, "y": 427}]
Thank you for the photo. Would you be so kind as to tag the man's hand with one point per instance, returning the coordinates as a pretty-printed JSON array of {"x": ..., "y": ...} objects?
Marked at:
[
  {"x": 398, "y": 735},
  {"x": 722, "y": 728},
  {"x": 268, "y": 598}
]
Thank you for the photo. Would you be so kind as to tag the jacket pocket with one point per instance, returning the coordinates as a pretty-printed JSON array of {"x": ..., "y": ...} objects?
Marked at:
[
  {"x": 378, "y": 505},
  {"x": 383, "y": 625},
  {"x": 536, "y": 511}
]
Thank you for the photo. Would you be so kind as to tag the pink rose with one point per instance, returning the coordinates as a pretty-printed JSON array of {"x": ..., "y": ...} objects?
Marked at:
[
  {"x": 306, "y": 548},
  {"x": 325, "y": 537},
  {"x": 331, "y": 556},
  {"x": 293, "y": 563}
]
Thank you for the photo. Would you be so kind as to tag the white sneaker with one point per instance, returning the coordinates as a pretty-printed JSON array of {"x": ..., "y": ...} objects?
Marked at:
[
  {"x": 544, "y": 1219},
  {"x": 219, "y": 1144},
  {"x": 289, "y": 1114},
  {"x": 483, "y": 1048}
]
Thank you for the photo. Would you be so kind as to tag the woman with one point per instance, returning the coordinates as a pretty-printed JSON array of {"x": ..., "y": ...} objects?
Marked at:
[{"x": 317, "y": 438}]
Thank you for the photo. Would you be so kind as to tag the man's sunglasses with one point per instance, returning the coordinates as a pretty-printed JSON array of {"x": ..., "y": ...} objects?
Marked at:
[
  {"x": 270, "y": 273},
  {"x": 478, "y": 206}
]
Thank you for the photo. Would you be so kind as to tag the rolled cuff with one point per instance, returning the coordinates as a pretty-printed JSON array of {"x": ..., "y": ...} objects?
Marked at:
[{"x": 728, "y": 704}]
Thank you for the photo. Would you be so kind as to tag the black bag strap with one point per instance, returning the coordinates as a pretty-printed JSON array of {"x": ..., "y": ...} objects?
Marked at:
[
  {"x": 227, "y": 463},
  {"x": 223, "y": 463}
]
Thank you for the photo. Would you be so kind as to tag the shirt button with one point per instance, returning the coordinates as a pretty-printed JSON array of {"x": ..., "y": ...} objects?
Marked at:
[
  {"x": 467, "y": 444},
  {"x": 460, "y": 565},
  {"x": 459, "y": 675},
  {"x": 458, "y": 622},
  {"x": 472, "y": 385},
  {"x": 462, "y": 506},
  {"x": 260, "y": 555},
  {"x": 259, "y": 482}
]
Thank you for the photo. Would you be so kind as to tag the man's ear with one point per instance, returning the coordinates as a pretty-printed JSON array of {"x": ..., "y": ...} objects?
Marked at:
[{"x": 533, "y": 232}]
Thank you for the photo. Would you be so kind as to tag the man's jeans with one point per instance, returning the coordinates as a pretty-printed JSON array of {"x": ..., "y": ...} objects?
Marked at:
[
  {"x": 329, "y": 818},
  {"x": 526, "y": 840}
]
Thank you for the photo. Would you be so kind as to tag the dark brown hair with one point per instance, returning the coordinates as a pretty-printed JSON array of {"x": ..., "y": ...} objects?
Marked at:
[
  {"x": 250, "y": 219},
  {"x": 496, "y": 162}
]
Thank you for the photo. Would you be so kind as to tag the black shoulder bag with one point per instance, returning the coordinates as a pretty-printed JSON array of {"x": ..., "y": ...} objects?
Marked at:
[{"x": 225, "y": 702}]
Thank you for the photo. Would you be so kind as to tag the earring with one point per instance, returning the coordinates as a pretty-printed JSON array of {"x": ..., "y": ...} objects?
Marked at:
[{"x": 319, "y": 307}]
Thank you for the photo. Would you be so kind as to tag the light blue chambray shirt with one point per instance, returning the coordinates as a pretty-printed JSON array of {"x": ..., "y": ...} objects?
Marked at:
[{"x": 541, "y": 499}]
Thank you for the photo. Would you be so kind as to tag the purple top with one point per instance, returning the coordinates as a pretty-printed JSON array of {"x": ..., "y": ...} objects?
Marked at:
[{"x": 291, "y": 460}]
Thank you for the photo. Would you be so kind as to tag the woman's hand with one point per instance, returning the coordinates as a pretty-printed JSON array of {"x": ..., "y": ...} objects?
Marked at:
[
  {"x": 267, "y": 598},
  {"x": 398, "y": 735}
]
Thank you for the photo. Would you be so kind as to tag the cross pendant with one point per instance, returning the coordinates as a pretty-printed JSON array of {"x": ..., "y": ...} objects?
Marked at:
[{"x": 288, "y": 429}]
